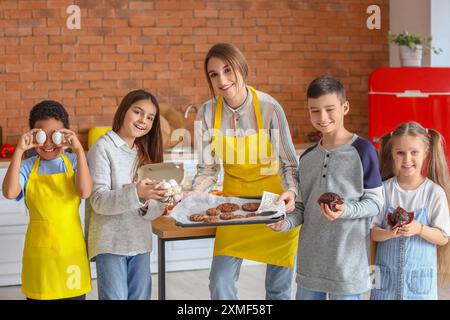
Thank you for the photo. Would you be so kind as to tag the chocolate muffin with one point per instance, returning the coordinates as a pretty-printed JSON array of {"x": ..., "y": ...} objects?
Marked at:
[
  {"x": 400, "y": 217},
  {"x": 250, "y": 206},
  {"x": 331, "y": 199},
  {"x": 228, "y": 207}
]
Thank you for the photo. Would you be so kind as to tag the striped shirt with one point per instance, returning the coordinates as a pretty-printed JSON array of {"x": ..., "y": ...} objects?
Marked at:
[{"x": 241, "y": 122}]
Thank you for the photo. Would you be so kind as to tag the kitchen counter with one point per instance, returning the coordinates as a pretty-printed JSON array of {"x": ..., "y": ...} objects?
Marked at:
[{"x": 4, "y": 163}]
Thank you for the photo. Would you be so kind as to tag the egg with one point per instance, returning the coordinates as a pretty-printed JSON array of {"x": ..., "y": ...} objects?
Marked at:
[
  {"x": 173, "y": 183},
  {"x": 165, "y": 185},
  {"x": 41, "y": 137},
  {"x": 57, "y": 137}
]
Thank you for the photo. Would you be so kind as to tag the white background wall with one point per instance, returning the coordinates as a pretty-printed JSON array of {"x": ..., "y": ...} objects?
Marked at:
[
  {"x": 426, "y": 17},
  {"x": 440, "y": 29}
]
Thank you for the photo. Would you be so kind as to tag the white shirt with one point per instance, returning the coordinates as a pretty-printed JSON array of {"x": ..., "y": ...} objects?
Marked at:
[{"x": 429, "y": 196}]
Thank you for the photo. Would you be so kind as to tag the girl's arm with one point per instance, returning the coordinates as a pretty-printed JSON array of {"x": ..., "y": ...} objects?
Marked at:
[
  {"x": 430, "y": 234},
  {"x": 378, "y": 234},
  {"x": 11, "y": 185},
  {"x": 83, "y": 179}
]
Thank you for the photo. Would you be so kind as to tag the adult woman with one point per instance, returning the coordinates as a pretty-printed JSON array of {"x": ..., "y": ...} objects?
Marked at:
[{"x": 235, "y": 130}]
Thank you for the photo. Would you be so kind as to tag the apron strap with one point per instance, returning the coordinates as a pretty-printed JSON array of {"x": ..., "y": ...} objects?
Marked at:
[
  {"x": 35, "y": 168},
  {"x": 69, "y": 168},
  {"x": 217, "y": 118},
  {"x": 67, "y": 163},
  {"x": 218, "y": 113}
]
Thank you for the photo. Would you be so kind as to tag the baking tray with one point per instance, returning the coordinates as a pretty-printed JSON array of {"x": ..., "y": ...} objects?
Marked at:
[
  {"x": 234, "y": 222},
  {"x": 200, "y": 202}
]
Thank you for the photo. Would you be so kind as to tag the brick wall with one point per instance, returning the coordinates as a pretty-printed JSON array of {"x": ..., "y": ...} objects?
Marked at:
[{"x": 160, "y": 46}]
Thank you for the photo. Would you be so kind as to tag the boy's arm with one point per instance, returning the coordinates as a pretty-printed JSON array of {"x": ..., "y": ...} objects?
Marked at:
[
  {"x": 83, "y": 179},
  {"x": 11, "y": 186},
  {"x": 104, "y": 200},
  {"x": 371, "y": 202},
  {"x": 295, "y": 218}
]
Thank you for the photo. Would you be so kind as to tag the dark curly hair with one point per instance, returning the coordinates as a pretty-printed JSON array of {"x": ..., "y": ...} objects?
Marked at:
[{"x": 48, "y": 109}]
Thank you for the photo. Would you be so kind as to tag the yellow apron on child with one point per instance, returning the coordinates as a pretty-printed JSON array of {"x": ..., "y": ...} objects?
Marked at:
[
  {"x": 248, "y": 172},
  {"x": 55, "y": 261}
]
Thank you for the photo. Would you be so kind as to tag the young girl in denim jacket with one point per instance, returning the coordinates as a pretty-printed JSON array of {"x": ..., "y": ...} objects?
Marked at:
[
  {"x": 410, "y": 257},
  {"x": 119, "y": 237}
]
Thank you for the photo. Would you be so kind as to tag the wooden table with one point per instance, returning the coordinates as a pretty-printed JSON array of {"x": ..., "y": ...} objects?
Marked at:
[{"x": 165, "y": 229}]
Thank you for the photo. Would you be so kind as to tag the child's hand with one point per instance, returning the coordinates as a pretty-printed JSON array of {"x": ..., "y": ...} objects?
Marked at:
[
  {"x": 27, "y": 141},
  {"x": 148, "y": 189},
  {"x": 393, "y": 233},
  {"x": 411, "y": 229},
  {"x": 277, "y": 226},
  {"x": 70, "y": 140},
  {"x": 332, "y": 215}
]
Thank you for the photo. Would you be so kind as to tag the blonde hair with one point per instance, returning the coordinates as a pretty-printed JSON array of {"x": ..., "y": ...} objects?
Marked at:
[
  {"x": 232, "y": 56},
  {"x": 436, "y": 169}
]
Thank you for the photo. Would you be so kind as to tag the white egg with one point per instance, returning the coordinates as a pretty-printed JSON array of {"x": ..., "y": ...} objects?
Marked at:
[
  {"x": 57, "y": 137},
  {"x": 173, "y": 183},
  {"x": 41, "y": 137},
  {"x": 165, "y": 185}
]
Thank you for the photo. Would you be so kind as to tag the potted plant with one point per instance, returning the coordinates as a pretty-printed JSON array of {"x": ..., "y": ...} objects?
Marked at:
[{"x": 411, "y": 46}]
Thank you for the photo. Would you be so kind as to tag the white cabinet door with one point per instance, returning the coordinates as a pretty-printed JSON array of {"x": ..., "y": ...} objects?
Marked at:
[{"x": 12, "y": 213}]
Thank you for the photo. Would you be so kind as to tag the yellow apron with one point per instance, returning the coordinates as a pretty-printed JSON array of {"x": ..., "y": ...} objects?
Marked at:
[
  {"x": 55, "y": 262},
  {"x": 248, "y": 171}
]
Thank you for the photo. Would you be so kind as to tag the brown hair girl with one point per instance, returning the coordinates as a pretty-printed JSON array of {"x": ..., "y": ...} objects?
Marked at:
[{"x": 150, "y": 145}]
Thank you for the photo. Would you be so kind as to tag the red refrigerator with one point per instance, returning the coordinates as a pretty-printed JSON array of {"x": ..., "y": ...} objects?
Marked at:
[{"x": 399, "y": 95}]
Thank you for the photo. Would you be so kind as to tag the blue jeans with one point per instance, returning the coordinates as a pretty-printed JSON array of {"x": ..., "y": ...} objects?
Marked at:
[
  {"x": 305, "y": 294},
  {"x": 225, "y": 272},
  {"x": 123, "y": 277}
]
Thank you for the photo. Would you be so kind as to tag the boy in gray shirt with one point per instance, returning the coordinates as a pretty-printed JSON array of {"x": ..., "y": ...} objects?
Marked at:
[{"x": 333, "y": 249}]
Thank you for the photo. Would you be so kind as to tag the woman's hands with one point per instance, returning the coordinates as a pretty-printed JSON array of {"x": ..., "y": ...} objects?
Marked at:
[{"x": 289, "y": 198}]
